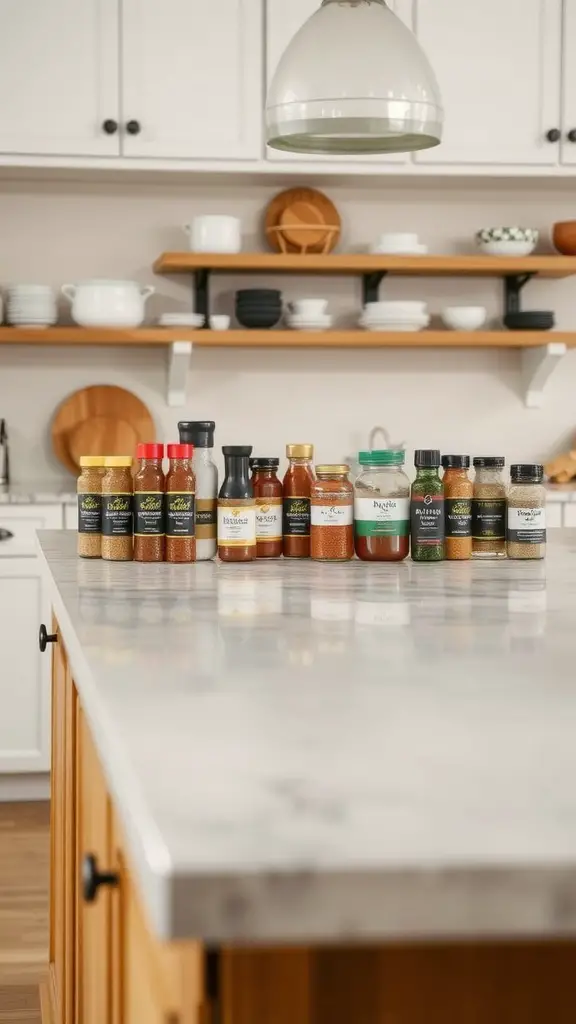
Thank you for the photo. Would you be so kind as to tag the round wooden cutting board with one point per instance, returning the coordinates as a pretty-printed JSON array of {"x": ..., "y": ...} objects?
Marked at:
[
  {"x": 100, "y": 420},
  {"x": 300, "y": 219}
]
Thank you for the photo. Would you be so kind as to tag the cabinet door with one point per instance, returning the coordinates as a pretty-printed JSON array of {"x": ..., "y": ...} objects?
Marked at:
[
  {"x": 192, "y": 78},
  {"x": 498, "y": 67},
  {"x": 282, "y": 23},
  {"x": 94, "y": 919},
  {"x": 569, "y": 84},
  {"x": 25, "y": 674},
  {"x": 58, "y": 76}
]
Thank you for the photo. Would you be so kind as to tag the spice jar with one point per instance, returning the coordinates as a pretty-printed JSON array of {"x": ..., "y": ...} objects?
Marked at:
[
  {"x": 180, "y": 505},
  {"x": 89, "y": 490},
  {"x": 296, "y": 487},
  {"x": 489, "y": 509},
  {"x": 382, "y": 507},
  {"x": 117, "y": 508},
  {"x": 526, "y": 512},
  {"x": 268, "y": 497},
  {"x": 427, "y": 508},
  {"x": 200, "y": 433},
  {"x": 236, "y": 507},
  {"x": 458, "y": 491},
  {"x": 332, "y": 515},
  {"x": 149, "y": 488}
]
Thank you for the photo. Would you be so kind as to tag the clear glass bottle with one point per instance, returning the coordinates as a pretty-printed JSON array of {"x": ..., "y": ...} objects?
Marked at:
[
  {"x": 382, "y": 507},
  {"x": 200, "y": 434},
  {"x": 427, "y": 508},
  {"x": 89, "y": 489},
  {"x": 489, "y": 508},
  {"x": 526, "y": 512},
  {"x": 458, "y": 493},
  {"x": 117, "y": 513},
  {"x": 332, "y": 515}
]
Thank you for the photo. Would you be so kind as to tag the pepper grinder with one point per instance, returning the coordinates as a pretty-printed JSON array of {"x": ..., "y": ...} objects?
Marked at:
[{"x": 4, "y": 454}]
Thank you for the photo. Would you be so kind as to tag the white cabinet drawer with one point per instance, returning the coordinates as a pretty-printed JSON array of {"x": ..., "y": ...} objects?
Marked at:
[
  {"x": 21, "y": 522},
  {"x": 70, "y": 517}
]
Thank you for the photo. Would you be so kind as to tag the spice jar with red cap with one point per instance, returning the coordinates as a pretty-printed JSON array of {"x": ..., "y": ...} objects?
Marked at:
[
  {"x": 149, "y": 488},
  {"x": 180, "y": 505}
]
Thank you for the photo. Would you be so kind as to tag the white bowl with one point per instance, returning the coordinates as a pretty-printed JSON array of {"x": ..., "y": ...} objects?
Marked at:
[
  {"x": 194, "y": 320},
  {"x": 398, "y": 240},
  {"x": 394, "y": 308},
  {"x": 404, "y": 325},
  {"x": 504, "y": 248},
  {"x": 308, "y": 307},
  {"x": 385, "y": 250},
  {"x": 464, "y": 318},
  {"x": 219, "y": 322}
]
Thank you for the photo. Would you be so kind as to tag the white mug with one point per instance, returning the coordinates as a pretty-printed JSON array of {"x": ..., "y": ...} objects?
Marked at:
[
  {"x": 214, "y": 233},
  {"x": 308, "y": 307}
]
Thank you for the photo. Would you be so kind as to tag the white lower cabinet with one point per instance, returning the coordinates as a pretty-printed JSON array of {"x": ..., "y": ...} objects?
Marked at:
[{"x": 25, "y": 672}]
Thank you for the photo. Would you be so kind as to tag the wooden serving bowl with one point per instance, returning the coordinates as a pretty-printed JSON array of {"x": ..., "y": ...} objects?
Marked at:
[{"x": 564, "y": 237}]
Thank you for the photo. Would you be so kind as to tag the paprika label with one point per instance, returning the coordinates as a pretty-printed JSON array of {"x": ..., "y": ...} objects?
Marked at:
[
  {"x": 148, "y": 513},
  {"x": 180, "y": 514}
]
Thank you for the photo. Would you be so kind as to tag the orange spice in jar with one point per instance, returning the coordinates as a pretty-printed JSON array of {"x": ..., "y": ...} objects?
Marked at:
[
  {"x": 296, "y": 486},
  {"x": 180, "y": 505},
  {"x": 332, "y": 515},
  {"x": 458, "y": 492}
]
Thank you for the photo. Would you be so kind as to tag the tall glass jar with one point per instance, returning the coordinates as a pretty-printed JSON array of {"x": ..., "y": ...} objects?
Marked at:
[
  {"x": 89, "y": 488},
  {"x": 382, "y": 507},
  {"x": 332, "y": 515},
  {"x": 427, "y": 508},
  {"x": 526, "y": 512},
  {"x": 200, "y": 434},
  {"x": 297, "y": 485},
  {"x": 458, "y": 492},
  {"x": 180, "y": 505},
  {"x": 489, "y": 508},
  {"x": 149, "y": 498},
  {"x": 117, "y": 514}
]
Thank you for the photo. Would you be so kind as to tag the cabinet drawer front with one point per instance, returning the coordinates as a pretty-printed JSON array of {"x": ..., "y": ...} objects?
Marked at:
[{"x": 22, "y": 521}]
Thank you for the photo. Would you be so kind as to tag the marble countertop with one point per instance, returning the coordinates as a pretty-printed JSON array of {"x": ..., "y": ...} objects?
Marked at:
[
  {"x": 307, "y": 752},
  {"x": 39, "y": 493}
]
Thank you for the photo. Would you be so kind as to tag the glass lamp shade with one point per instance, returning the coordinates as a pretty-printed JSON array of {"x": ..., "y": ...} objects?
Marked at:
[{"x": 354, "y": 80}]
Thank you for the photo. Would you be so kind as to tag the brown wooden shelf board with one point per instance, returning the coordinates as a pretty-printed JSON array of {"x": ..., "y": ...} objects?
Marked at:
[
  {"x": 79, "y": 336},
  {"x": 365, "y": 263}
]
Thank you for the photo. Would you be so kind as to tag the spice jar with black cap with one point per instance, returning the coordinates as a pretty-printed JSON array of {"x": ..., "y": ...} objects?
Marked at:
[
  {"x": 427, "y": 508},
  {"x": 200, "y": 434},
  {"x": 458, "y": 491},
  {"x": 268, "y": 498},
  {"x": 236, "y": 507},
  {"x": 489, "y": 508},
  {"x": 526, "y": 512}
]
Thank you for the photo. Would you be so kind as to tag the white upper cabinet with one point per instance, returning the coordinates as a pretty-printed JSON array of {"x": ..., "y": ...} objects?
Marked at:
[
  {"x": 192, "y": 79},
  {"x": 283, "y": 20},
  {"x": 59, "y": 77},
  {"x": 569, "y": 85},
  {"x": 498, "y": 63}
]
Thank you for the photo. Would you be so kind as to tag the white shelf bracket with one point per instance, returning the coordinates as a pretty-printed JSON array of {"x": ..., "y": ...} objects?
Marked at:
[
  {"x": 179, "y": 356},
  {"x": 537, "y": 365}
]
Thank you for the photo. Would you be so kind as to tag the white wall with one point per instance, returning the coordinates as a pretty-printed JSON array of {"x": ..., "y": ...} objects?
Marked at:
[{"x": 467, "y": 401}]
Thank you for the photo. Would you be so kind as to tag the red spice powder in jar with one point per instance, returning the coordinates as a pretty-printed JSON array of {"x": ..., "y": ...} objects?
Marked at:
[
  {"x": 296, "y": 487},
  {"x": 149, "y": 488},
  {"x": 268, "y": 498},
  {"x": 332, "y": 515},
  {"x": 180, "y": 505}
]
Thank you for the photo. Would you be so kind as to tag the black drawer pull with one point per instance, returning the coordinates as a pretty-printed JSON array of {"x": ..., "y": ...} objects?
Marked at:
[
  {"x": 5, "y": 534},
  {"x": 45, "y": 638},
  {"x": 92, "y": 879}
]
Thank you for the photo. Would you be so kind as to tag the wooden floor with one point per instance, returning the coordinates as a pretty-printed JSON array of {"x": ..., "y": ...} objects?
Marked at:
[{"x": 24, "y": 853}]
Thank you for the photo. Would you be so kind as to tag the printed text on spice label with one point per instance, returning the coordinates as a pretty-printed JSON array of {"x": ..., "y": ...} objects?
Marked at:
[{"x": 382, "y": 517}]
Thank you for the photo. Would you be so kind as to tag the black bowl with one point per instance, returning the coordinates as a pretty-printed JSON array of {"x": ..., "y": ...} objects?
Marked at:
[
  {"x": 250, "y": 294},
  {"x": 530, "y": 320},
  {"x": 261, "y": 319},
  {"x": 258, "y": 305}
]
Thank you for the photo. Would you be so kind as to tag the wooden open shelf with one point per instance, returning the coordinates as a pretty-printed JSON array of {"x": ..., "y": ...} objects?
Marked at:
[
  {"x": 160, "y": 336},
  {"x": 365, "y": 263}
]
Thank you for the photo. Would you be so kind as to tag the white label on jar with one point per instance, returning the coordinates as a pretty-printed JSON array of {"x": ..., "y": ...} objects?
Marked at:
[
  {"x": 381, "y": 510},
  {"x": 268, "y": 518},
  {"x": 331, "y": 515},
  {"x": 527, "y": 525},
  {"x": 236, "y": 525}
]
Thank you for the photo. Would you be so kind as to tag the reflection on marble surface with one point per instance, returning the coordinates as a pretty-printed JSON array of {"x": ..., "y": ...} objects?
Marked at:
[{"x": 310, "y": 751}]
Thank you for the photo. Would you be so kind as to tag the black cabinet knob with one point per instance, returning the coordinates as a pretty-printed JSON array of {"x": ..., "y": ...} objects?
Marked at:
[
  {"x": 45, "y": 638},
  {"x": 110, "y": 126},
  {"x": 92, "y": 879},
  {"x": 133, "y": 127},
  {"x": 554, "y": 135},
  {"x": 572, "y": 135},
  {"x": 5, "y": 534}
]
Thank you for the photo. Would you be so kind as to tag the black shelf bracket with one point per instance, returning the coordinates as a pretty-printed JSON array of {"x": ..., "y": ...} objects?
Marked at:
[
  {"x": 513, "y": 286},
  {"x": 371, "y": 285},
  {"x": 202, "y": 293}
]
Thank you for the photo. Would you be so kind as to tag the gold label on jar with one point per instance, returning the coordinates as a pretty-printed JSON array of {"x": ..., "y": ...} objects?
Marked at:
[
  {"x": 268, "y": 519},
  {"x": 236, "y": 525},
  {"x": 206, "y": 519}
]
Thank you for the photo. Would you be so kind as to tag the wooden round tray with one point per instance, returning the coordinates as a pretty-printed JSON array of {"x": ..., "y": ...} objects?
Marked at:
[{"x": 302, "y": 220}]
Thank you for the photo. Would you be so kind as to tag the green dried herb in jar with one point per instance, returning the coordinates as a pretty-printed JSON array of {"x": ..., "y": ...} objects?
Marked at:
[{"x": 427, "y": 508}]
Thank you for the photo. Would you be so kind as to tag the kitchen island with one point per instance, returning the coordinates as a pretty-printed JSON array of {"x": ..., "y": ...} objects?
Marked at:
[{"x": 363, "y": 774}]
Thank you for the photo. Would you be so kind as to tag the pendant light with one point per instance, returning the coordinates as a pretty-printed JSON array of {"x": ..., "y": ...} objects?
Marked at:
[{"x": 354, "y": 80}]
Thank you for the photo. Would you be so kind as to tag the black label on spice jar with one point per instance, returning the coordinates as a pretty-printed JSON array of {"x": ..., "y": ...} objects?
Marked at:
[
  {"x": 489, "y": 518},
  {"x": 180, "y": 514},
  {"x": 89, "y": 513},
  {"x": 296, "y": 517},
  {"x": 458, "y": 516},
  {"x": 148, "y": 514},
  {"x": 117, "y": 515},
  {"x": 427, "y": 519}
]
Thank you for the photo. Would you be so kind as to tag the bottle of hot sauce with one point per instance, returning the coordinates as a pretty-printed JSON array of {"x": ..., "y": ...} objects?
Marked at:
[
  {"x": 296, "y": 504},
  {"x": 268, "y": 496}
]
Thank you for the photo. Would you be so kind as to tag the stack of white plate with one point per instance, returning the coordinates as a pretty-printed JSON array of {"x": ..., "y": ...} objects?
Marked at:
[
  {"x": 31, "y": 305},
  {"x": 309, "y": 321},
  {"x": 193, "y": 320},
  {"x": 395, "y": 316}
]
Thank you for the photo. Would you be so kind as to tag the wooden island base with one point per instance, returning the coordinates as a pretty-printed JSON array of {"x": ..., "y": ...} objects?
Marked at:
[{"x": 106, "y": 967}]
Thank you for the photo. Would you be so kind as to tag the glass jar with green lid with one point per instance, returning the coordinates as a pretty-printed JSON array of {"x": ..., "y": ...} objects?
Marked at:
[{"x": 382, "y": 507}]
